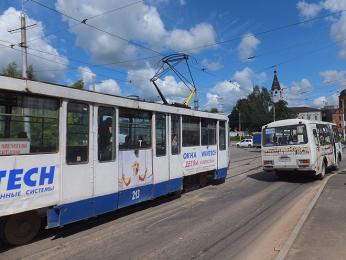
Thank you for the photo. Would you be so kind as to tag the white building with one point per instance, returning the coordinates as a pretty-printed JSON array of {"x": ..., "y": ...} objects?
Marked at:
[{"x": 308, "y": 113}]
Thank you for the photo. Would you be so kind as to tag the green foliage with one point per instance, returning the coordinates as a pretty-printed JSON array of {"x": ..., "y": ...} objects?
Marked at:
[
  {"x": 214, "y": 110},
  {"x": 256, "y": 110},
  {"x": 12, "y": 71},
  {"x": 79, "y": 84}
]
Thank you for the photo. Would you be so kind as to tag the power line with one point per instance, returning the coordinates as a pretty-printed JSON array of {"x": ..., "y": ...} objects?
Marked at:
[
  {"x": 95, "y": 28},
  {"x": 89, "y": 18}
]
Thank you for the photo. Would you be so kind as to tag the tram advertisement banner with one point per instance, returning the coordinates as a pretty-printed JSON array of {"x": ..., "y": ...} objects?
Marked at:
[
  {"x": 135, "y": 168},
  {"x": 196, "y": 159}
]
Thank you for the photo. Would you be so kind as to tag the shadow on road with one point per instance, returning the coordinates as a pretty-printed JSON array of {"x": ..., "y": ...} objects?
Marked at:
[{"x": 295, "y": 177}]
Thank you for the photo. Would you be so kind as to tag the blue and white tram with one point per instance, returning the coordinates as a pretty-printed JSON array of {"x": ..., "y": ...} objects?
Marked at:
[{"x": 69, "y": 154}]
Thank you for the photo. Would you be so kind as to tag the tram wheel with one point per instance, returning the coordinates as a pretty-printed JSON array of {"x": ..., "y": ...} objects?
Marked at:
[{"x": 20, "y": 228}]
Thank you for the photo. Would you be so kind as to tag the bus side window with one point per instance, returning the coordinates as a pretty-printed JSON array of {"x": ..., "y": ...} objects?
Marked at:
[
  {"x": 315, "y": 136},
  {"x": 77, "y": 134},
  {"x": 106, "y": 134}
]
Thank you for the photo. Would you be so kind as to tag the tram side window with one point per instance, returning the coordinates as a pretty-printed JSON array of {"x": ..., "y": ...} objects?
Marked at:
[
  {"x": 175, "y": 132},
  {"x": 208, "y": 131},
  {"x": 106, "y": 134},
  {"x": 28, "y": 124},
  {"x": 77, "y": 142},
  {"x": 160, "y": 121},
  {"x": 134, "y": 129},
  {"x": 222, "y": 135},
  {"x": 191, "y": 131}
]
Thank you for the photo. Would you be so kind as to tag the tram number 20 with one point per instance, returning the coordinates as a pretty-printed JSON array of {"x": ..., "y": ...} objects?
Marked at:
[{"x": 136, "y": 194}]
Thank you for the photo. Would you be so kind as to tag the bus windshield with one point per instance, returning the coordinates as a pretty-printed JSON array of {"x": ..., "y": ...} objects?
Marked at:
[{"x": 285, "y": 135}]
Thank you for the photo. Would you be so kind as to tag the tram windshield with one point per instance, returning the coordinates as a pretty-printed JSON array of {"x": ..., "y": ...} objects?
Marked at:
[{"x": 285, "y": 135}]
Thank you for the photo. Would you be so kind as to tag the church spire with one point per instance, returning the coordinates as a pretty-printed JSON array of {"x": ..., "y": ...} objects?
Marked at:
[{"x": 276, "y": 83}]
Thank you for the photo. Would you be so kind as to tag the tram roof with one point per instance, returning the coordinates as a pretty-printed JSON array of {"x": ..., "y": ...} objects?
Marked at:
[{"x": 62, "y": 91}]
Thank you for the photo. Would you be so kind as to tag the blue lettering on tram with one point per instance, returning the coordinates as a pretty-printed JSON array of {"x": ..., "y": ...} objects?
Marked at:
[
  {"x": 16, "y": 178},
  {"x": 208, "y": 153},
  {"x": 189, "y": 155}
]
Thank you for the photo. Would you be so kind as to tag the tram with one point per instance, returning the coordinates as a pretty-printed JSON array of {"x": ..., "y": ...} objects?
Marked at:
[
  {"x": 300, "y": 145},
  {"x": 68, "y": 154}
]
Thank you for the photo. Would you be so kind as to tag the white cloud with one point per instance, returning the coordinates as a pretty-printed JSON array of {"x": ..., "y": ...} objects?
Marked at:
[
  {"x": 334, "y": 77},
  {"x": 338, "y": 21},
  {"x": 307, "y": 10},
  {"x": 320, "y": 101},
  {"x": 296, "y": 95},
  {"x": 226, "y": 93},
  {"x": 108, "y": 86},
  {"x": 140, "y": 23},
  {"x": 212, "y": 66},
  {"x": 200, "y": 35},
  {"x": 247, "y": 46},
  {"x": 87, "y": 75},
  {"x": 171, "y": 89},
  {"x": 45, "y": 70}
]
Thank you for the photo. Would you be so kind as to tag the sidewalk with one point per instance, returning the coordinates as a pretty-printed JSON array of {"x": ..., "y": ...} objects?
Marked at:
[{"x": 323, "y": 235}]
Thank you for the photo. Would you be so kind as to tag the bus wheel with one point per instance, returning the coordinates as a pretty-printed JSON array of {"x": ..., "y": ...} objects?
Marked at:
[
  {"x": 20, "y": 228},
  {"x": 321, "y": 175}
]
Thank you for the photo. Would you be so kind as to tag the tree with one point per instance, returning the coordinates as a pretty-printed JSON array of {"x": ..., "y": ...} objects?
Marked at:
[
  {"x": 79, "y": 84},
  {"x": 214, "y": 110},
  {"x": 256, "y": 110},
  {"x": 12, "y": 71}
]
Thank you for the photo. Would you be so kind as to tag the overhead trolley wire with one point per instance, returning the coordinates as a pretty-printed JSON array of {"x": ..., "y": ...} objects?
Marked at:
[{"x": 84, "y": 21}]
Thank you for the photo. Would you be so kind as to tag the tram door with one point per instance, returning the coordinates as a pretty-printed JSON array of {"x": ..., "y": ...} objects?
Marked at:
[
  {"x": 77, "y": 164},
  {"x": 175, "y": 157},
  {"x": 105, "y": 159},
  {"x": 161, "y": 156},
  {"x": 222, "y": 155}
]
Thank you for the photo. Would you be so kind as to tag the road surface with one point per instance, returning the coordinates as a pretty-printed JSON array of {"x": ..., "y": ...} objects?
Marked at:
[{"x": 249, "y": 216}]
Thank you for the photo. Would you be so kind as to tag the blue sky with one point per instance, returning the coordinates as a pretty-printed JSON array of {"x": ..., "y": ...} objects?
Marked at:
[{"x": 310, "y": 56}]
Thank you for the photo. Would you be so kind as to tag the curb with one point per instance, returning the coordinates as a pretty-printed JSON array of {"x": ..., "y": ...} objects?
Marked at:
[{"x": 295, "y": 232}]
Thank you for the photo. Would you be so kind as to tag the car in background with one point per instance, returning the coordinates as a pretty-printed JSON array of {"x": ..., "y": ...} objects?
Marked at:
[{"x": 245, "y": 143}]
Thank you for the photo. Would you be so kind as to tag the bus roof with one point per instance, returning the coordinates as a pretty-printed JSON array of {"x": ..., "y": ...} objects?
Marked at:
[
  {"x": 62, "y": 91},
  {"x": 295, "y": 121}
]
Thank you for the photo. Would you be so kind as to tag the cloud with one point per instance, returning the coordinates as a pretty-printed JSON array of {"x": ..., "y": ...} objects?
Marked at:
[
  {"x": 320, "y": 101},
  {"x": 307, "y": 10},
  {"x": 212, "y": 66},
  {"x": 108, "y": 86},
  {"x": 171, "y": 89},
  {"x": 334, "y": 77},
  {"x": 138, "y": 24},
  {"x": 296, "y": 95},
  {"x": 338, "y": 21},
  {"x": 87, "y": 75},
  {"x": 45, "y": 70},
  {"x": 247, "y": 46},
  {"x": 225, "y": 94}
]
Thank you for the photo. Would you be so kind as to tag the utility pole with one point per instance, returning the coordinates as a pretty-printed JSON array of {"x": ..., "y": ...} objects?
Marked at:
[{"x": 23, "y": 44}]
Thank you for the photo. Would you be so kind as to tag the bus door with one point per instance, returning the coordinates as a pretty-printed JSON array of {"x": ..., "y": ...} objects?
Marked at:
[
  {"x": 105, "y": 160},
  {"x": 161, "y": 158},
  {"x": 135, "y": 156},
  {"x": 222, "y": 154},
  {"x": 77, "y": 169}
]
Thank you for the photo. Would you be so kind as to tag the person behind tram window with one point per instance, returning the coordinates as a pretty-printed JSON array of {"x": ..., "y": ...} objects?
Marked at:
[
  {"x": 105, "y": 140},
  {"x": 174, "y": 144}
]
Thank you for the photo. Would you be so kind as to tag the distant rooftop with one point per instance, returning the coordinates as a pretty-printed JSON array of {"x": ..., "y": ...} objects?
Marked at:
[{"x": 304, "y": 109}]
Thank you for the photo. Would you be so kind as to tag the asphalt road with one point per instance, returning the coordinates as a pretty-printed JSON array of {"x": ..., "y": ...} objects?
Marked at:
[{"x": 215, "y": 222}]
